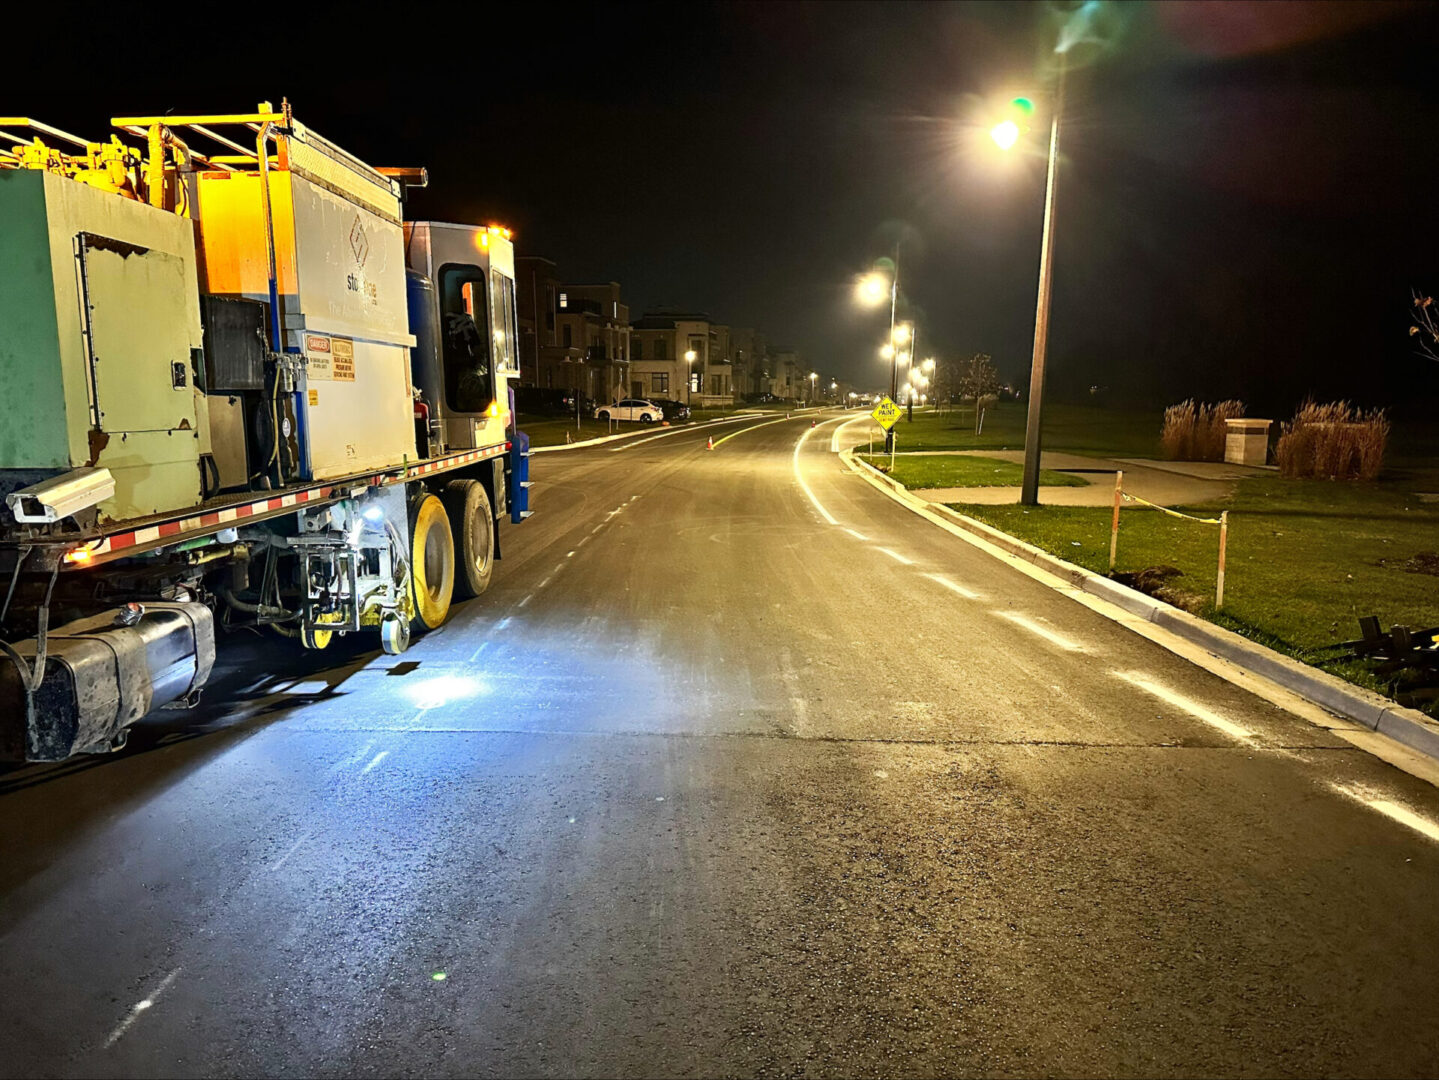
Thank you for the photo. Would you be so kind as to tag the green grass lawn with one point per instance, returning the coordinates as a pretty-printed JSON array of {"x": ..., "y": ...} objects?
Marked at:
[
  {"x": 949, "y": 470},
  {"x": 1082, "y": 429},
  {"x": 1306, "y": 557}
]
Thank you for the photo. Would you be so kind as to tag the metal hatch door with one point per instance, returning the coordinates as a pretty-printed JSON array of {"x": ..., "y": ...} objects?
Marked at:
[{"x": 138, "y": 315}]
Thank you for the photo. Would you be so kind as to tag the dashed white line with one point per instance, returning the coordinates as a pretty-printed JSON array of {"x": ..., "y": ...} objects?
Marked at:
[
  {"x": 1392, "y": 810},
  {"x": 355, "y": 758},
  {"x": 476, "y": 654},
  {"x": 503, "y": 623},
  {"x": 597, "y": 528},
  {"x": 293, "y": 848},
  {"x": 545, "y": 582},
  {"x": 857, "y": 535},
  {"x": 378, "y": 758},
  {"x": 571, "y": 555},
  {"x": 139, "y": 1007},
  {"x": 525, "y": 601},
  {"x": 953, "y": 586},
  {"x": 1179, "y": 701},
  {"x": 896, "y": 556},
  {"x": 1040, "y": 631}
]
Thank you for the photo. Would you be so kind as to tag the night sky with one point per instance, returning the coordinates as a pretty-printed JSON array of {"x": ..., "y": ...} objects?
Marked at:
[{"x": 1247, "y": 190}]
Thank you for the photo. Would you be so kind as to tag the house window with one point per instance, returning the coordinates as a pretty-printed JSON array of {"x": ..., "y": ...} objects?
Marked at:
[
  {"x": 637, "y": 350},
  {"x": 660, "y": 382},
  {"x": 717, "y": 385},
  {"x": 564, "y": 300},
  {"x": 661, "y": 350}
]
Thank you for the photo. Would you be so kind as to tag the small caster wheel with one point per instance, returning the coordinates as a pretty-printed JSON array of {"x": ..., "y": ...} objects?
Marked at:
[{"x": 394, "y": 633}]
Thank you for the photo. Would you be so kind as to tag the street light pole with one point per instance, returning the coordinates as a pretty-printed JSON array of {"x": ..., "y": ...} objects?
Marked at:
[
  {"x": 1029, "y": 487},
  {"x": 894, "y": 352}
]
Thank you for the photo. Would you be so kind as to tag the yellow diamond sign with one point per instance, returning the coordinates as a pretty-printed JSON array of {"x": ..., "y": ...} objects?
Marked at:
[{"x": 887, "y": 413}]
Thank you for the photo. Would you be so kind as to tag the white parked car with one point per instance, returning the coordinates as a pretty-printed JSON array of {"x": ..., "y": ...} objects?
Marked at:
[{"x": 646, "y": 412}]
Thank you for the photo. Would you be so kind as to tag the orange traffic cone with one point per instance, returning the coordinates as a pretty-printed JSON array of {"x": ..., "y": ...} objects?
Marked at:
[
  {"x": 811, "y": 423},
  {"x": 711, "y": 446}
]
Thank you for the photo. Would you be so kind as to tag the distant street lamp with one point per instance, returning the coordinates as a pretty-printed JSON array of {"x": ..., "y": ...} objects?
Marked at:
[
  {"x": 871, "y": 293},
  {"x": 1006, "y": 134},
  {"x": 813, "y": 375},
  {"x": 690, "y": 357}
]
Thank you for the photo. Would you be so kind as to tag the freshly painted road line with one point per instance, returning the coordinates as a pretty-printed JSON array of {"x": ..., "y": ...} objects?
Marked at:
[
  {"x": 1392, "y": 810},
  {"x": 139, "y": 1007},
  {"x": 799, "y": 477},
  {"x": 1035, "y": 628},
  {"x": 742, "y": 431},
  {"x": 953, "y": 586},
  {"x": 680, "y": 431},
  {"x": 1179, "y": 701},
  {"x": 896, "y": 556},
  {"x": 834, "y": 440},
  {"x": 857, "y": 535},
  {"x": 378, "y": 758}
]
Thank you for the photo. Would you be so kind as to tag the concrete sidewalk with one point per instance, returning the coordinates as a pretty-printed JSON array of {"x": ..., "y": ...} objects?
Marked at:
[{"x": 1168, "y": 483}]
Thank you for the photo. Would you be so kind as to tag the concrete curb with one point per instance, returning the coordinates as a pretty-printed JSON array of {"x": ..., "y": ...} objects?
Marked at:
[{"x": 1374, "y": 711}]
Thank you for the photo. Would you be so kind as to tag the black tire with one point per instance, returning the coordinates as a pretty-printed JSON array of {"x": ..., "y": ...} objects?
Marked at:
[
  {"x": 604, "y": 414},
  {"x": 646, "y": 418},
  {"x": 472, "y": 522}
]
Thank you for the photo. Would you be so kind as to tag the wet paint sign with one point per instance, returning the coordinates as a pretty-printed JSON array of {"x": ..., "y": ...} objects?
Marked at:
[{"x": 886, "y": 414}]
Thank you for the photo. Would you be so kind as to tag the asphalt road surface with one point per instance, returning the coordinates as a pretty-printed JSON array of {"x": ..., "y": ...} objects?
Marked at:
[{"x": 739, "y": 768}]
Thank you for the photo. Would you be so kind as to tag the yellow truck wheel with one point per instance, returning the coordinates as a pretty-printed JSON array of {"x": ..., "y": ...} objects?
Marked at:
[
  {"x": 432, "y": 561},
  {"x": 473, "y": 523}
]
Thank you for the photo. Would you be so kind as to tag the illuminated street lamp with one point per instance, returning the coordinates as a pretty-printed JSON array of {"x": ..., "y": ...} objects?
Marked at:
[
  {"x": 813, "y": 375},
  {"x": 1006, "y": 135},
  {"x": 870, "y": 291},
  {"x": 690, "y": 357}
]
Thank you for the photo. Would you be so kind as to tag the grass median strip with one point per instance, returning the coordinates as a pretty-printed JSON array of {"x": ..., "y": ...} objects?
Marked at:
[
  {"x": 954, "y": 471},
  {"x": 1306, "y": 559}
]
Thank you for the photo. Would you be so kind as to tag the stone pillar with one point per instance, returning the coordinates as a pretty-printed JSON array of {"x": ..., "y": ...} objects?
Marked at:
[{"x": 1246, "y": 441}]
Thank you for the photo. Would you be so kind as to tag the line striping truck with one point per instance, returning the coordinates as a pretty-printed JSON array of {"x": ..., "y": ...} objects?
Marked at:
[{"x": 242, "y": 392}]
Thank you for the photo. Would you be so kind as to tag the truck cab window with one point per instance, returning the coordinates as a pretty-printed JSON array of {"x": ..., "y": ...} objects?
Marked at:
[{"x": 465, "y": 349}]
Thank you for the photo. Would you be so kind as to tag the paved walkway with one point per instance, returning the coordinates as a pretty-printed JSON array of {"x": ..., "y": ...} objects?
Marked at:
[{"x": 1168, "y": 483}]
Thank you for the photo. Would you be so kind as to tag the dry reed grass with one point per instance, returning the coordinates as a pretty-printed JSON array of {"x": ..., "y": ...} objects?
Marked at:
[
  {"x": 1195, "y": 432},
  {"x": 1334, "y": 441}
]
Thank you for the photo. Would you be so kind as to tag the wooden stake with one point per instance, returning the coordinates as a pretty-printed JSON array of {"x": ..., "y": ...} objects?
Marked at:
[
  {"x": 1114, "y": 527},
  {"x": 1223, "y": 543}
]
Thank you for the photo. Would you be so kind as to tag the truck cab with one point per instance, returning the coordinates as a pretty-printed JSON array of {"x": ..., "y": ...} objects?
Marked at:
[{"x": 461, "y": 282}]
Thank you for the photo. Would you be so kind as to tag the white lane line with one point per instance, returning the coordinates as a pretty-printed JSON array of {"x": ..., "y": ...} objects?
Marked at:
[
  {"x": 597, "y": 528},
  {"x": 355, "y": 758},
  {"x": 525, "y": 601},
  {"x": 1392, "y": 810},
  {"x": 139, "y": 1007},
  {"x": 571, "y": 555},
  {"x": 1039, "y": 631},
  {"x": 857, "y": 535},
  {"x": 834, "y": 441},
  {"x": 799, "y": 477},
  {"x": 503, "y": 623},
  {"x": 1179, "y": 701},
  {"x": 583, "y": 541},
  {"x": 476, "y": 654},
  {"x": 741, "y": 431},
  {"x": 545, "y": 582},
  {"x": 896, "y": 556},
  {"x": 378, "y": 758},
  {"x": 293, "y": 848},
  {"x": 559, "y": 566},
  {"x": 629, "y": 443},
  {"x": 953, "y": 586}
]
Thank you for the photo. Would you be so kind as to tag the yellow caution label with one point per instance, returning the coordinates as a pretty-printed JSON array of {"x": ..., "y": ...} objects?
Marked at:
[{"x": 314, "y": 398}]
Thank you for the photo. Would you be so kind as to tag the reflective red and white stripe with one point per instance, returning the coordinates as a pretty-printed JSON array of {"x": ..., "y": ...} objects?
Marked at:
[{"x": 228, "y": 516}]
